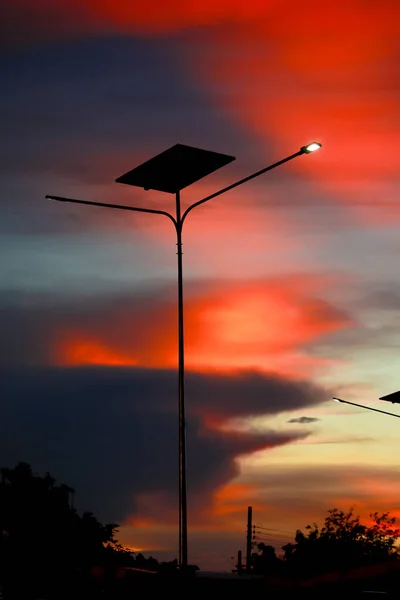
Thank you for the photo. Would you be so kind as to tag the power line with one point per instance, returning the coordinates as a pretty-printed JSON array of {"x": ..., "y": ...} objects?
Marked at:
[
  {"x": 274, "y": 536},
  {"x": 270, "y": 529},
  {"x": 264, "y": 532}
]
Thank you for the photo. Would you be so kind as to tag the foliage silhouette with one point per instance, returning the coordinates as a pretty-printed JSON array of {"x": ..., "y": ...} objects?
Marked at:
[
  {"x": 265, "y": 560},
  {"x": 342, "y": 543},
  {"x": 43, "y": 540},
  {"x": 45, "y": 545}
]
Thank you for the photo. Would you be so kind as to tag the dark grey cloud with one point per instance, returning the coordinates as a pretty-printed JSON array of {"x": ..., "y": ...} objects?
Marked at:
[
  {"x": 303, "y": 420},
  {"x": 25, "y": 23},
  {"x": 112, "y": 432},
  {"x": 138, "y": 324},
  {"x": 98, "y": 106},
  {"x": 373, "y": 304},
  {"x": 367, "y": 335},
  {"x": 380, "y": 296}
]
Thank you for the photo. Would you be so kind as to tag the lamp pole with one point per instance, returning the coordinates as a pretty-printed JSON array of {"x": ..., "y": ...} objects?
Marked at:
[
  {"x": 384, "y": 412},
  {"x": 143, "y": 178}
]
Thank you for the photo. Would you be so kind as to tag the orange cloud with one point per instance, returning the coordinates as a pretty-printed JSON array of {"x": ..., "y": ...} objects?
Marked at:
[
  {"x": 256, "y": 324},
  {"x": 232, "y": 500},
  {"x": 78, "y": 350},
  {"x": 282, "y": 503},
  {"x": 225, "y": 510},
  {"x": 286, "y": 499}
]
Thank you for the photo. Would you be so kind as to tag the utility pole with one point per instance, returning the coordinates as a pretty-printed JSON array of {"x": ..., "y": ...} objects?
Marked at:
[
  {"x": 249, "y": 538},
  {"x": 239, "y": 566}
]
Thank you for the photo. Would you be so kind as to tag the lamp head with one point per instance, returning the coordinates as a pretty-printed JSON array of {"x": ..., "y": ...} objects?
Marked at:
[{"x": 310, "y": 147}]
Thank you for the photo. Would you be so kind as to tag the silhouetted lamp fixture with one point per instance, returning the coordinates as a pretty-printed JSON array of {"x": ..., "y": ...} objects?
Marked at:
[
  {"x": 394, "y": 398},
  {"x": 170, "y": 172}
]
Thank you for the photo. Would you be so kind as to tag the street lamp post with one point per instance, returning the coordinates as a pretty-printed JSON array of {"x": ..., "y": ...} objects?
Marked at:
[
  {"x": 170, "y": 172},
  {"x": 384, "y": 412}
]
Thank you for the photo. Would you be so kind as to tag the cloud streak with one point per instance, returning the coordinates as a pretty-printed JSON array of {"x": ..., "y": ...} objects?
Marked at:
[{"x": 304, "y": 420}]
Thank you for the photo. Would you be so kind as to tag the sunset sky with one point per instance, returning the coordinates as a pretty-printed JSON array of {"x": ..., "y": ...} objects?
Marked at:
[{"x": 291, "y": 282}]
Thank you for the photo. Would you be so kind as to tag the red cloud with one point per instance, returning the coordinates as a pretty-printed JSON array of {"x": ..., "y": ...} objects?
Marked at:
[
  {"x": 254, "y": 324},
  {"x": 76, "y": 16}
]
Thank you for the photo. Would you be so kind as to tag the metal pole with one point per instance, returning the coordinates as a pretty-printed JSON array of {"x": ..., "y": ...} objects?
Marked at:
[
  {"x": 383, "y": 412},
  {"x": 248, "y": 538},
  {"x": 241, "y": 182},
  {"x": 183, "y": 558}
]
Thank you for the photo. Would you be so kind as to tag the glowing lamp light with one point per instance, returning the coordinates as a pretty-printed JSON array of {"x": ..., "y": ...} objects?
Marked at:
[{"x": 311, "y": 147}]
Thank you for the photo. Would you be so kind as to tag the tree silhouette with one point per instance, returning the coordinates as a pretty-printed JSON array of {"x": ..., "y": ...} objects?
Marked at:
[
  {"x": 265, "y": 561},
  {"x": 43, "y": 539},
  {"x": 343, "y": 542}
]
